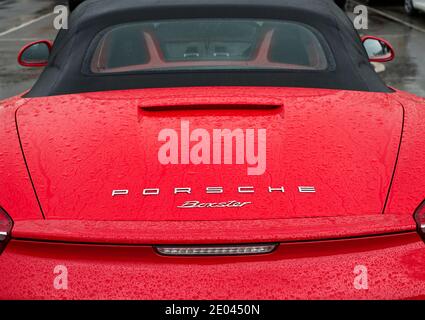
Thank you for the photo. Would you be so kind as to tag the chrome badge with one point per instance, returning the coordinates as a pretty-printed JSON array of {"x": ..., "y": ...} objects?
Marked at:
[
  {"x": 211, "y": 190},
  {"x": 194, "y": 204},
  {"x": 227, "y": 204}
]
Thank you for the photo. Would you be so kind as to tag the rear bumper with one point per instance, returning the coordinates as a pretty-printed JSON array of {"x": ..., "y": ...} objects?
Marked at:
[{"x": 296, "y": 270}]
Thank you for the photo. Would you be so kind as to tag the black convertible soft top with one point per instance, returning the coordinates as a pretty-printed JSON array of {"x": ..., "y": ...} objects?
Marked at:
[{"x": 66, "y": 73}]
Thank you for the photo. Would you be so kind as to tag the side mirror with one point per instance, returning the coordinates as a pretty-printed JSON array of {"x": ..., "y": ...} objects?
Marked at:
[
  {"x": 35, "y": 54},
  {"x": 378, "y": 50}
]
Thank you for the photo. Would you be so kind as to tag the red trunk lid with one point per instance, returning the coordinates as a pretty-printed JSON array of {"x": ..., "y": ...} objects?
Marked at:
[{"x": 79, "y": 148}]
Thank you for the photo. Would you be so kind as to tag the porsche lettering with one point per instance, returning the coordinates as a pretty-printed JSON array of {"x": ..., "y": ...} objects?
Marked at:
[{"x": 213, "y": 190}]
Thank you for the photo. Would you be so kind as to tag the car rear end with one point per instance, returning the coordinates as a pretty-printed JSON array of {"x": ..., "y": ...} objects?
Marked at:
[
  {"x": 384, "y": 266},
  {"x": 313, "y": 227},
  {"x": 175, "y": 160}
]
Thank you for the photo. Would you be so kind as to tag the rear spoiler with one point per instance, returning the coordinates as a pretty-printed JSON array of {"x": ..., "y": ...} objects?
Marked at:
[{"x": 73, "y": 4}]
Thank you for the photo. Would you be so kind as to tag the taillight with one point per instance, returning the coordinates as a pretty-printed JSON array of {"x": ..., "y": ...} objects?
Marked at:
[
  {"x": 6, "y": 224},
  {"x": 420, "y": 220}
]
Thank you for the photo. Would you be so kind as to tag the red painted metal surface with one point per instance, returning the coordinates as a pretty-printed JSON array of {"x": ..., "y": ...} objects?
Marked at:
[
  {"x": 211, "y": 232},
  {"x": 408, "y": 189},
  {"x": 313, "y": 270},
  {"x": 17, "y": 194},
  {"x": 81, "y": 147}
]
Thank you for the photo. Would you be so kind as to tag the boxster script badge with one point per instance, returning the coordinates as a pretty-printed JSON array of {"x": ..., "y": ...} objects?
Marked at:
[{"x": 228, "y": 204}]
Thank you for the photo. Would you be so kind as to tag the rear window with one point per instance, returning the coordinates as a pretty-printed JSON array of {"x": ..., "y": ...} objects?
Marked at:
[{"x": 209, "y": 44}]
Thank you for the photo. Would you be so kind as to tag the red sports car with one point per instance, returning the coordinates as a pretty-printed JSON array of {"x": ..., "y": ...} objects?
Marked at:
[{"x": 211, "y": 149}]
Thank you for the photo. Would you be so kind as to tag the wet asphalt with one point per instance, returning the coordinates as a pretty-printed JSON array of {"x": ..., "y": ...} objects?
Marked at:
[{"x": 407, "y": 34}]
